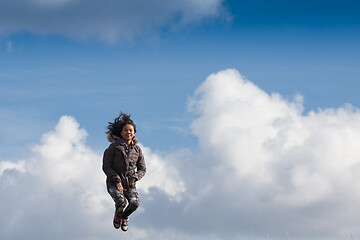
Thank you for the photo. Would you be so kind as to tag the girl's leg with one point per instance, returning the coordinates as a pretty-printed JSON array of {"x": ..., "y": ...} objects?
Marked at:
[
  {"x": 133, "y": 198},
  {"x": 119, "y": 199}
]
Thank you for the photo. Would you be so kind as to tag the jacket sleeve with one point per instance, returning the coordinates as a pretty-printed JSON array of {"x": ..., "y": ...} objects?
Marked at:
[
  {"x": 140, "y": 166},
  {"x": 107, "y": 165}
]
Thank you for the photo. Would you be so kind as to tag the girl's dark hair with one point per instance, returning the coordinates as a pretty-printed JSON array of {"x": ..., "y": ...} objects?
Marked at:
[{"x": 115, "y": 128}]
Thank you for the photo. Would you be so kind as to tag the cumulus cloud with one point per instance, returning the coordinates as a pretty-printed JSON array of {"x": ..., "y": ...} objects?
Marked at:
[
  {"x": 60, "y": 189},
  {"x": 7, "y": 165},
  {"x": 264, "y": 169},
  {"x": 108, "y": 20},
  {"x": 162, "y": 175},
  {"x": 275, "y": 162}
]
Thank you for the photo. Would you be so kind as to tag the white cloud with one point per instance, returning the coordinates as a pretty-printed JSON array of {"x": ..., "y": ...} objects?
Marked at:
[
  {"x": 63, "y": 160},
  {"x": 63, "y": 180},
  {"x": 162, "y": 175},
  {"x": 263, "y": 168},
  {"x": 7, "y": 165},
  {"x": 108, "y": 20},
  {"x": 272, "y": 156}
]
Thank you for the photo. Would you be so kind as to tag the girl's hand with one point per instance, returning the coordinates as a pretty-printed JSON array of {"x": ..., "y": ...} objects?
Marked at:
[
  {"x": 131, "y": 184},
  {"x": 120, "y": 187}
]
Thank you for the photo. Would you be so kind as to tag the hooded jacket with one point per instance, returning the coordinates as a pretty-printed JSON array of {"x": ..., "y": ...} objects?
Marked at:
[{"x": 122, "y": 164}]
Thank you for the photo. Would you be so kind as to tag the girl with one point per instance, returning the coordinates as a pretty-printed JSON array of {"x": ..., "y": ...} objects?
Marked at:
[{"x": 124, "y": 165}]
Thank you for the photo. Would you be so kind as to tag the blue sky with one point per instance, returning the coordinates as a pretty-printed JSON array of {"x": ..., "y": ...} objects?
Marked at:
[
  {"x": 288, "y": 47},
  {"x": 91, "y": 60}
]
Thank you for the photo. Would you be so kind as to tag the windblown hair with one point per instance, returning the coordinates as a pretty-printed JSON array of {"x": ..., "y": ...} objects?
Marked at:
[{"x": 115, "y": 128}]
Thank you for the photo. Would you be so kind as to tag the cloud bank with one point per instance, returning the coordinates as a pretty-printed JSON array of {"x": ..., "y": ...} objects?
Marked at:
[
  {"x": 108, "y": 20},
  {"x": 282, "y": 169},
  {"x": 59, "y": 192},
  {"x": 264, "y": 169}
]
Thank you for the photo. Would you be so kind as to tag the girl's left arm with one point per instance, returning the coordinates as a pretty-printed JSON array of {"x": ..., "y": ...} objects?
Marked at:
[{"x": 140, "y": 166}]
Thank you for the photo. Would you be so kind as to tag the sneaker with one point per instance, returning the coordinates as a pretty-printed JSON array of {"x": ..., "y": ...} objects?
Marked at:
[
  {"x": 116, "y": 221},
  {"x": 124, "y": 224}
]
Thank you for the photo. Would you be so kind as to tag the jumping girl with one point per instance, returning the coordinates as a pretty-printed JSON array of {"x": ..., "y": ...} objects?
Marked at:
[{"x": 124, "y": 165}]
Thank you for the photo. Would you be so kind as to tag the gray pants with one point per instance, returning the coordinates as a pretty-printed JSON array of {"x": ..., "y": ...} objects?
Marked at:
[{"x": 119, "y": 198}]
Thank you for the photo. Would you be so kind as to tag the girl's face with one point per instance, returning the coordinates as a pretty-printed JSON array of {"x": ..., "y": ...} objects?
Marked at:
[{"x": 128, "y": 132}]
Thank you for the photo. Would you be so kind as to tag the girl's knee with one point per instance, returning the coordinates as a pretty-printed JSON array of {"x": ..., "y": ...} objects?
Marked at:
[
  {"x": 133, "y": 206},
  {"x": 135, "y": 202},
  {"x": 120, "y": 204}
]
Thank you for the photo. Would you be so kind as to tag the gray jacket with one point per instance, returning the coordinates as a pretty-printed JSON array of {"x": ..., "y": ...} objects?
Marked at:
[{"x": 122, "y": 164}]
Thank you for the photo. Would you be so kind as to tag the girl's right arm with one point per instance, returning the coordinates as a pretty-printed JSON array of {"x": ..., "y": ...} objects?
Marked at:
[{"x": 107, "y": 165}]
